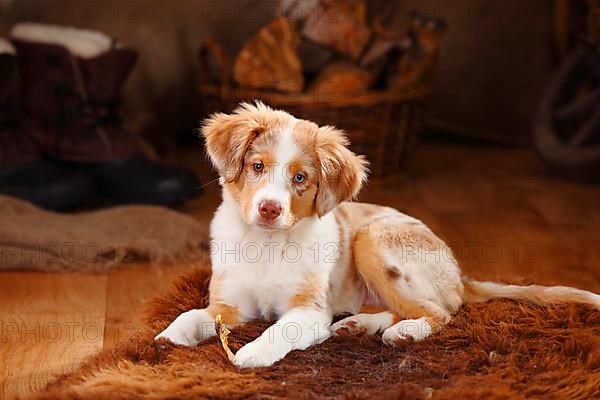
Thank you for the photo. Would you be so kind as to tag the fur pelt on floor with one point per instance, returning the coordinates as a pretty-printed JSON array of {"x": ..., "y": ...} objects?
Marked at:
[
  {"x": 498, "y": 350},
  {"x": 32, "y": 238}
]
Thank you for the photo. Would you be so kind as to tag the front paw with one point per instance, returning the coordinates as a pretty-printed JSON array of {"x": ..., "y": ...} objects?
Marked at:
[
  {"x": 258, "y": 354},
  {"x": 186, "y": 330},
  {"x": 176, "y": 336}
]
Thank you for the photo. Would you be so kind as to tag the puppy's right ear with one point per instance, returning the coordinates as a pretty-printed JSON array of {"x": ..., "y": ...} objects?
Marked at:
[{"x": 228, "y": 138}]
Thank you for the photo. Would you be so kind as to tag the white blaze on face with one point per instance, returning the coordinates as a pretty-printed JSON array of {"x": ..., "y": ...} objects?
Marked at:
[{"x": 279, "y": 185}]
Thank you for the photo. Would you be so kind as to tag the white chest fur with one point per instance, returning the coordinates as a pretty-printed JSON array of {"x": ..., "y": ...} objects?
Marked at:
[{"x": 263, "y": 269}]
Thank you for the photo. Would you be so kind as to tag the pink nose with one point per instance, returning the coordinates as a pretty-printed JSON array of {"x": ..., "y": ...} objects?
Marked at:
[{"x": 269, "y": 209}]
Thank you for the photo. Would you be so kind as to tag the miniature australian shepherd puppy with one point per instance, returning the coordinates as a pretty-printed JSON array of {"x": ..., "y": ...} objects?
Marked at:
[{"x": 289, "y": 246}]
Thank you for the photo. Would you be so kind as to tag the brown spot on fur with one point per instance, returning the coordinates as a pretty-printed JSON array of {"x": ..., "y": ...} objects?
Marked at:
[
  {"x": 298, "y": 166},
  {"x": 311, "y": 293},
  {"x": 303, "y": 204},
  {"x": 392, "y": 272}
]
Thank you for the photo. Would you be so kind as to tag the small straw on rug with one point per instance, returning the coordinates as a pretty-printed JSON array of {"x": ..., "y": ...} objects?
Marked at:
[{"x": 223, "y": 333}]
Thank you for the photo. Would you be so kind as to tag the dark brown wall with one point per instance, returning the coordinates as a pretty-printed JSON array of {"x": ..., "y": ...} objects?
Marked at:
[{"x": 494, "y": 65}]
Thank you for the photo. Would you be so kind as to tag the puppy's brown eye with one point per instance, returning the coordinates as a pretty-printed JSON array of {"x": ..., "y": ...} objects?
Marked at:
[{"x": 258, "y": 166}]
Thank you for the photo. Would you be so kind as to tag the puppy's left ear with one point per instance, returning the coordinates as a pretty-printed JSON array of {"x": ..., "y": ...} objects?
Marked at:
[{"x": 342, "y": 172}]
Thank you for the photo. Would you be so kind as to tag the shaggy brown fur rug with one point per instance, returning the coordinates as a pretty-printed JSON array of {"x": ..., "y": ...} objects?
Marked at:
[{"x": 498, "y": 350}]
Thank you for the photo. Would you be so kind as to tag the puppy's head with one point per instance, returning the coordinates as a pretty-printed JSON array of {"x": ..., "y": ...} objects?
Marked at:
[{"x": 279, "y": 169}]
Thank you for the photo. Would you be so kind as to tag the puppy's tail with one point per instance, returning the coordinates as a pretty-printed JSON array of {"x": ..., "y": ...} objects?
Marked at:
[{"x": 477, "y": 291}]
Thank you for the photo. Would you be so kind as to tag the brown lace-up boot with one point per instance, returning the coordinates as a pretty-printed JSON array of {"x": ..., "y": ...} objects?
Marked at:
[
  {"x": 15, "y": 149},
  {"x": 71, "y": 82},
  {"x": 23, "y": 172}
]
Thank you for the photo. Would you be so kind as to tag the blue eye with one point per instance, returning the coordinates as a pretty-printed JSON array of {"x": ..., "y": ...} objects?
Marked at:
[{"x": 299, "y": 178}]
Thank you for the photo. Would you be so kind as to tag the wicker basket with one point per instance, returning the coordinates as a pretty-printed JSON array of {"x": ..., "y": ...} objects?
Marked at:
[{"x": 381, "y": 125}]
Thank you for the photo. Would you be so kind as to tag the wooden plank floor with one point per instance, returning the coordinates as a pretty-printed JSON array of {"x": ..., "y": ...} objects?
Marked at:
[{"x": 503, "y": 215}]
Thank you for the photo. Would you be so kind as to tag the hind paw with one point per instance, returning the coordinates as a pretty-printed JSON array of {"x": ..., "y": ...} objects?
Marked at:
[
  {"x": 416, "y": 329},
  {"x": 348, "y": 326},
  {"x": 363, "y": 324}
]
